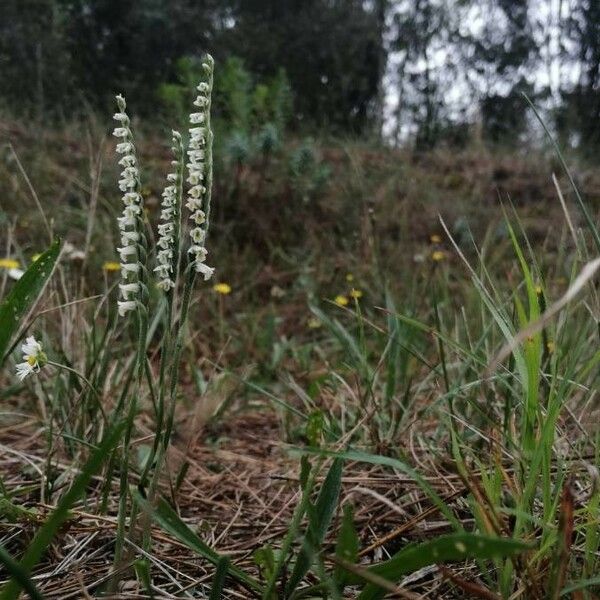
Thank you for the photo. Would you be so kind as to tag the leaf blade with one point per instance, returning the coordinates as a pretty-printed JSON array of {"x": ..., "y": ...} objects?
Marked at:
[{"x": 24, "y": 295}]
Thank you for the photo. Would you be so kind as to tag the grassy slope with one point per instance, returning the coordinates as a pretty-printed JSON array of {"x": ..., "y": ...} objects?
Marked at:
[{"x": 389, "y": 385}]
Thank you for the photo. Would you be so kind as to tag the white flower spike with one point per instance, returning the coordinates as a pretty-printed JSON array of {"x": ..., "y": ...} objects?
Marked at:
[
  {"x": 168, "y": 230},
  {"x": 199, "y": 171},
  {"x": 129, "y": 223}
]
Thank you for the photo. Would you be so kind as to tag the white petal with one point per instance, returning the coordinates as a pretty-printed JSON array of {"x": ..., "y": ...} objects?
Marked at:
[
  {"x": 16, "y": 274},
  {"x": 24, "y": 369},
  {"x": 166, "y": 284},
  {"x": 125, "y": 306},
  {"x": 204, "y": 269}
]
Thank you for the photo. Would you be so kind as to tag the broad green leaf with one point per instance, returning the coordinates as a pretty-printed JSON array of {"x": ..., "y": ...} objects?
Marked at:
[
  {"x": 44, "y": 536},
  {"x": 170, "y": 521},
  {"x": 23, "y": 296},
  {"x": 453, "y": 547},
  {"x": 322, "y": 514}
]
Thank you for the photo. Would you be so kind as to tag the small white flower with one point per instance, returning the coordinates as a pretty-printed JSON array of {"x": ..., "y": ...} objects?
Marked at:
[
  {"x": 204, "y": 269},
  {"x": 165, "y": 229},
  {"x": 197, "y": 234},
  {"x": 164, "y": 242},
  {"x": 130, "y": 198},
  {"x": 197, "y": 118},
  {"x": 202, "y": 87},
  {"x": 126, "y": 221},
  {"x": 128, "y": 160},
  {"x": 200, "y": 101},
  {"x": 165, "y": 284},
  {"x": 124, "y": 147},
  {"x": 200, "y": 252},
  {"x": 126, "y": 184},
  {"x": 197, "y": 191},
  {"x": 195, "y": 178},
  {"x": 199, "y": 217},
  {"x": 172, "y": 177},
  {"x": 127, "y": 251},
  {"x": 121, "y": 132},
  {"x": 130, "y": 267},
  {"x": 196, "y": 155},
  {"x": 130, "y": 171},
  {"x": 129, "y": 288},
  {"x": 132, "y": 211},
  {"x": 125, "y": 306},
  {"x": 129, "y": 236},
  {"x": 163, "y": 271},
  {"x": 121, "y": 116},
  {"x": 34, "y": 358},
  {"x": 164, "y": 257}
]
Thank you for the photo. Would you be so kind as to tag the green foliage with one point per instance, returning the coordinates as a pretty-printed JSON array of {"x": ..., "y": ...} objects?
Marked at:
[
  {"x": 320, "y": 516},
  {"x": 170, "y": 521},
  {"x": 454, "y": 547},
  {"x": 308, "y": 173},
  {"x": 177, "y": 97},
  {"x": 24, "y": 295},
  {"x": 60, "y": 514}
]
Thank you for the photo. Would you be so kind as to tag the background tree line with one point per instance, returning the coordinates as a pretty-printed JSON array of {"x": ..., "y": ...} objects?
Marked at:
[{"x": 423, "y": 71}]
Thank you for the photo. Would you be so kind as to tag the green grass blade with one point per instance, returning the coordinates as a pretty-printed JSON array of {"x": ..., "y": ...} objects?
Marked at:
[
  {"x": 346, "y": 340},
  {"x": 453, "y": 547},
  {"x": 347, "y": 545},
  {"x": 44, "y": 536},
  {"x": 16, "y": 571},
  {"x": 319, "y": 523},
  {"x": 23, "y": 296},
  {"x": 586, "y": 213},
  {"x": 218, "y": 583},
  {"x": 394, "y": 463},
  {"x": 170, "y": 521},
  {"x": 580, "y": 585}
]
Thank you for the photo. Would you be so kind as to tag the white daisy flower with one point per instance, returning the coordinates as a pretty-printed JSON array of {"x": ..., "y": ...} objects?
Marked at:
[{"x": 34, "y": 358}]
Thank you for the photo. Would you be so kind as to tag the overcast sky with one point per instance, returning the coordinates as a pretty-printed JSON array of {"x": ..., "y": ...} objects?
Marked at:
[{"x": 460, "y": 87}]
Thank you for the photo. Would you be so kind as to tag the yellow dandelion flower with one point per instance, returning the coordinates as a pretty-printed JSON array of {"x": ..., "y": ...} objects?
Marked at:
[
  {"x": 356, "y": 294},
  {"x": 222, "y": 288},
  {"x": 349, "y": 277},
  {"x": 35, "y": 257},
  {"x": 111, "y": 265},
  {"x": 9, "y": 263},
  {"x": 314, "y": 323},
  {"x": 341, "y": 300},
  {"x": 438, "y": 255},
  {"x": 435, "y": 238}
]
